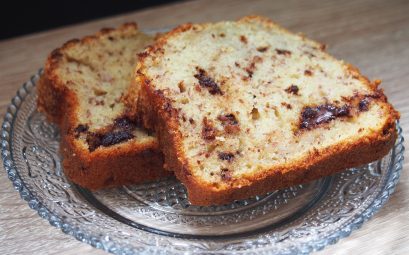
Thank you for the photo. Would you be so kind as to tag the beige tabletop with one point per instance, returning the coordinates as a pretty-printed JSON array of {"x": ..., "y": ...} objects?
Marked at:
[{"x": 373, "y": 35}]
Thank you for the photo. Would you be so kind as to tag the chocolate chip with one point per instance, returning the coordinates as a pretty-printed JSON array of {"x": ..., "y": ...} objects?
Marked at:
[
  {"x": 124, "y": 123},
  {"x": 207, "y": 82},
  {"x": 283, "y": 52},
  {"x": 293, "y": 89},
  {"x": 81, "y": 128},
  {"x": 115, "y": 137},
  {"x": 343, "y": 111},
  {"x": 93, "y": 141},
  {"x": 308, "y": 72},
  {"x": 262, "y": 49},
  {"x": 96, "y": 140},
  {"x": 228, "y": 156},
  {"x": 120, "y": 131},
  {"x": 312, "y": 117},
  {"x": 363, "y": 105}
]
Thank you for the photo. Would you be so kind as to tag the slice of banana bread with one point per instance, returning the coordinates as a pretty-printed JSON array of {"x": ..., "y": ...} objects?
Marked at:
[
  {"x": 243, "y": 108},
  {"x": 81, "y": 90}
]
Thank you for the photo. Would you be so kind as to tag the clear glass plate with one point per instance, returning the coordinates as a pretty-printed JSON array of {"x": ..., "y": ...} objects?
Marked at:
[{"x": 156, "y": 218}]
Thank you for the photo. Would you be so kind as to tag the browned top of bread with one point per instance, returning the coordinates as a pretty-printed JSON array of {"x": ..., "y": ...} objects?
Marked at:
[{"x": 236, "y": 103}]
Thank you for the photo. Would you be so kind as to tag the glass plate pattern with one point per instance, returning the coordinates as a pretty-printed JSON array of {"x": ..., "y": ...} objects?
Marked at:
[{"x": 156, "y": 218}]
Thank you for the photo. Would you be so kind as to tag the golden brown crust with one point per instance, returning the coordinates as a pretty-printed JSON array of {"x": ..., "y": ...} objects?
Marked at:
[
  {"x": 157, "y": 113},
  {"x": 126, "y": 163}
]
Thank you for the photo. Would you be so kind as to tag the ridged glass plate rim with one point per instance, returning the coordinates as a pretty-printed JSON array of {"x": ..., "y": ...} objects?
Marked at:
[{"x": 117, "y": 248}]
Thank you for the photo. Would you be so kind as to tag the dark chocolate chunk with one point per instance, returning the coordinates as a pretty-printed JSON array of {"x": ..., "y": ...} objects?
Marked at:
[
  {"x": 314, "y": 116},
  {"x": 308, "y": 72},
  {"x": 124, "y": 123},
  {"x": 115, "y": 137},
  {"x": 228, "y": 156},
  {"x": 283, "y": 52},
  {"x": 120, "y": 131},
  {"x": 343, "y": 111},
  {"x": 81, "y": 128},
  {"x": 363, "y": 105},
  {"x": 207, "y": 82},
  {"x": 293, "y": 89},
  {"x": 262, "y": 49},
  {"x": 243, "y": 39},
  {"x": 93, "y": 141},
  {"x": 96, "y": 140}
]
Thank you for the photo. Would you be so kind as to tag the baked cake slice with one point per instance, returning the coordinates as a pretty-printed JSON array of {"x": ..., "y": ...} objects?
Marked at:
[
  {"x": 243, "y": 108},
  {"x": 81, "y": 90}
]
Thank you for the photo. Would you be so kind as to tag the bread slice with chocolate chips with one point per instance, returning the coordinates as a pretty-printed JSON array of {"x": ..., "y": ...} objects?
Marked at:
[
  {"x": 81, "y": 90},
  {"x": 243, "y": 108}
]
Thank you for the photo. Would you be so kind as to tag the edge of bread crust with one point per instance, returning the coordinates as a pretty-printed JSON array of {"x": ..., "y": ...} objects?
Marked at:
[
  {"x": 120, "y": 164},
  {"x": 157, "y": 114},
  {"x": 127, "y": 163}
]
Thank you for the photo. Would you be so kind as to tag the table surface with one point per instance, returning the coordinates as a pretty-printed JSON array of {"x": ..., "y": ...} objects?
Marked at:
[{"x": 373, "y": 35}]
